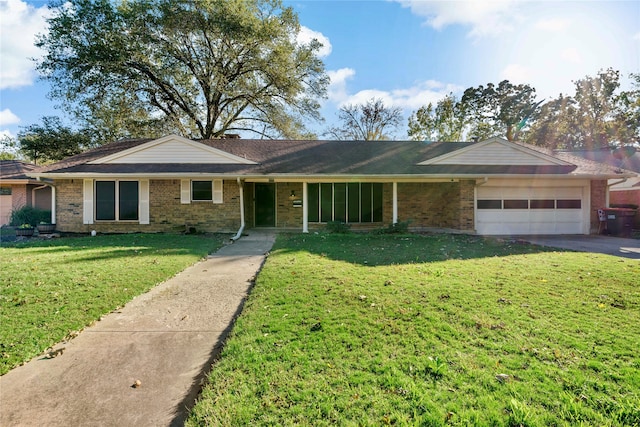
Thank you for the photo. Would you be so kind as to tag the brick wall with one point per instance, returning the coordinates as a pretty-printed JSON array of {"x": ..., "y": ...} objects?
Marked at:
[
  {"x": 438, "y": 204},
  {"x": 166, "y": 213},
  {"x": 288, "y": 216}
]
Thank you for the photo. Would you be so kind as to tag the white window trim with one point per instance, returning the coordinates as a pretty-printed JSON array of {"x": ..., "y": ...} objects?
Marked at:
[{"x": 186, "y": 191}]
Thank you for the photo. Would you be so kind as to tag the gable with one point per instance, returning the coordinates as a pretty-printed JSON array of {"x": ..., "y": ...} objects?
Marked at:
[
  {"x": 496, "y": 151},
  {"x": 172, "y": 149}
]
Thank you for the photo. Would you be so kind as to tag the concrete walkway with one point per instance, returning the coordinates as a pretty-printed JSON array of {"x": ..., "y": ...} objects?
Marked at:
[
  {"x": 618, "y": 246},
  {"x": 166, "y": 339}
]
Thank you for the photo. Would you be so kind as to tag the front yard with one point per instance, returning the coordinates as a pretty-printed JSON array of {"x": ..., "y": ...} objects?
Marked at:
[
  {"x": 51, "y": 289},
  {"x": 431, "y": 330}
]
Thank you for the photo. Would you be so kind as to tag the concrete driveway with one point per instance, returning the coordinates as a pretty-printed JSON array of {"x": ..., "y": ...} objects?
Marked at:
[{"x": 618, "y": 246}]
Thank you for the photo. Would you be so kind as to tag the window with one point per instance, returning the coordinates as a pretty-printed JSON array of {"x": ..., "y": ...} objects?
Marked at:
[
  {"x": 516, "y": 204},
  {"x": 352, "y": 202},
  {"x": 542, "y": 204},
  {"x": 201, "y": 191},
  {"x": 569, "y": 204},
  {"x": 489, "y": 204},
  {"x": 5, "y": 191},
  {"x": 116, "y": 200}
]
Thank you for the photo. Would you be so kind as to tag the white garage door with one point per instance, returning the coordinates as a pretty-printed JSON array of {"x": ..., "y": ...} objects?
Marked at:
[{"x": 512, "y": 210}]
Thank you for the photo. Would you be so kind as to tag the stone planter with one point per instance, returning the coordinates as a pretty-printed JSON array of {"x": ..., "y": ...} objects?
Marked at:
[
  {"x": 46, "y": 228},
  {"x": 24, "y": 232}
]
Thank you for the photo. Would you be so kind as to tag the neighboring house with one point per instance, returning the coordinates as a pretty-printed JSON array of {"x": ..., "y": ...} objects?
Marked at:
[
  {"x": 173, "y": 184},
  {"x": 622, "y": 191},
  {"x": 17, "y": 189}
]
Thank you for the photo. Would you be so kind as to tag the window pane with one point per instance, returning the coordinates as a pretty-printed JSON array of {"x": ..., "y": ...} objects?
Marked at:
[
  {"x": 128, "y": 200},
  {"x": 377, "y": 203},
  {"x": 516, "y": 204},
  {"x": 353, "y": 191},
  {"x": 313, "y": 196},
  {"x": 5, "y": 191},
  {"x": 326, "y": 199},
  {"x": 340, "y": 202},
  {"x": 542, "y": 204},
  {"x": 365, "y": 199},
  {"x": 569, "y": 204},
  {"x": 105, "y": 200},
  {"x": 201, "y": 190},
  {"x": 489, "y": 204}
]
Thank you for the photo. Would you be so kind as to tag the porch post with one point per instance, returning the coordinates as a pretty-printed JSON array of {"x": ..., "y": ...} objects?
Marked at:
[
  {"x": 305, "y": 209},
  {"x": 53, "y": 204},
  {"x": 395, "y": 202}
]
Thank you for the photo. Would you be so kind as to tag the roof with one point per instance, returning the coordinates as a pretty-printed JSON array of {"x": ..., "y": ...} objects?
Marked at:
[
  {"x": 624, "y": 158},
  {"x": 16, "y": 171},
  {"x": 300, "y": 158}
]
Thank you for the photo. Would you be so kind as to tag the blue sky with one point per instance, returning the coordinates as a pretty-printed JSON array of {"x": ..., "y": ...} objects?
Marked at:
[{"x": 408, "y": 53}]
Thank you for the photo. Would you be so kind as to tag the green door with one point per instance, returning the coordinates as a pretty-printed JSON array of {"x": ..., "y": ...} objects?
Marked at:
[{"x": 265, "y": 205}]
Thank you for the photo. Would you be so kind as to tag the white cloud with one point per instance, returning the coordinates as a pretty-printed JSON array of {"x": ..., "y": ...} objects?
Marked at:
[
  {"x": 337, "y": 91},
  {"x": 18, "y": 27},
  {"x": 306, "y": 35},
  {"x": 553, "y": 25},
  {"x": 408, "y": 99},
  {"x": 8, "y": 118},
  {"x": 486, "y": 18}
]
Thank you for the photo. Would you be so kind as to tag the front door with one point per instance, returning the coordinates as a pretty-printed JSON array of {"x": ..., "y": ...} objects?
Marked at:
[{"x": 265, "y": 205}]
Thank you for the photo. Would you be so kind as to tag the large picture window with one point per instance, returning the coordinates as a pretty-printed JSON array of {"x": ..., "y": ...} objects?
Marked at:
[
  {"x": 117, "y": 200},
  {"x": 345, "y": 202}
]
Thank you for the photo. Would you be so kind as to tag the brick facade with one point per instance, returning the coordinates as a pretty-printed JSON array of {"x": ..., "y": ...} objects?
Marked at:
[
  {"x": 437, "y": 204},
  {"x": 166, "y": 213}
]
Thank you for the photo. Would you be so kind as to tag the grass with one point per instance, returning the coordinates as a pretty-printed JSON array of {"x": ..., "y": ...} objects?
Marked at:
[
  {"x": 48, "y": 289},
  {"x": 431, "y": 330}
]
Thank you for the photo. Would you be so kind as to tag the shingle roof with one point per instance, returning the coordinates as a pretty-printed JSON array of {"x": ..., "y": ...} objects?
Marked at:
[
  {"x": 318, "y": 158},
  {"x": 16, "y": 170}
]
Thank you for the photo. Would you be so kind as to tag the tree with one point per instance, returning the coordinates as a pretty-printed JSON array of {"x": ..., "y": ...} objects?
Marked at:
[
  {"x": 444, "y": 122},
  {"x": 8, "y": 148},
  {"x": 51, "y": 141},
  {"x": 502, "y": 110},
  {"x": 371, "y": 121},
  {"x": 198, "y": 68},
  {"x": 596, "y": 116}
]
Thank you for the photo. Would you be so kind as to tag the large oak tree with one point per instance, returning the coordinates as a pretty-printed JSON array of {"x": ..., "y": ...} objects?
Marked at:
[{"x": 199, "y": 68}]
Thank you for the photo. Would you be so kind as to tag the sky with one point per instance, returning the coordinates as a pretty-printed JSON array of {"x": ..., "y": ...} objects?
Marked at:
[{"x": 406, "y": 52}]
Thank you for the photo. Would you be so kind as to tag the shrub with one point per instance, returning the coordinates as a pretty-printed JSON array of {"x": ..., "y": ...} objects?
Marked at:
[
  {"x": 29, "y": 215},
  {"x": 338, "y": 227},
  {"x": 401, "y": 227}
]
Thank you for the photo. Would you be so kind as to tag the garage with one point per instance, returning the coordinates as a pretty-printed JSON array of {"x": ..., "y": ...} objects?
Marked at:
[{"x": 532, "y": 210}]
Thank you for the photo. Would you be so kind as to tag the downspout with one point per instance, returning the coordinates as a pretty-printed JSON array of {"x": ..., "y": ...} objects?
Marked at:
[
  {"x": 239, "y": 233},
  {"x": 606, "y": 201},
  {"x": 53, "y": 198}
]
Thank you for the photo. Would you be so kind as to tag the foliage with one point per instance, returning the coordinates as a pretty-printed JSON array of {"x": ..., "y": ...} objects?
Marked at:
[
  {"x": 501, "y": 110},
  {"x": 29, "y": 215},
  {"x": 48, "y": 289},
  {"x": 598, "y": 115},
  {"x": 338, "y": 227},
  {"x": 430, "y": 330},
  {"x": 200, "y": 69},
  {"x": 51, "y": 140},
  {"x": 400, "y": 227},
  {"x": 444, "y": 122},
  {"x": 8, "y": 148},
  {"x": 371, "y": 121}
]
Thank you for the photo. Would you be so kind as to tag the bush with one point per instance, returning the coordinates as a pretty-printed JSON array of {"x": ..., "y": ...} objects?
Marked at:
[
  {"x": 338, "y": 227},
  {"x": 401, "y": 227},
  {"x": 29, "y": 215}
]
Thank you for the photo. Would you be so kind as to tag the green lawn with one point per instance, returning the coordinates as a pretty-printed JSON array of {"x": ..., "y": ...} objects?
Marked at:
[
  {"x": 48, "y": 289},
  {"x": 431, "y": 330}
]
